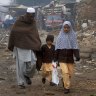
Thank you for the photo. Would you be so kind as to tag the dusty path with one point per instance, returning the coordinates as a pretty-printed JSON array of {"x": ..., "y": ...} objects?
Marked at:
[{"x": 83, "y": 82}]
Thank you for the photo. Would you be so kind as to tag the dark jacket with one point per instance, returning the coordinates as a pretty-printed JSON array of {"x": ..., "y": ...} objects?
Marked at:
[
  {"x": 66, "y": 55},
  {"x": 47, "y": 53},
  {"x": 24, "y": 34}
]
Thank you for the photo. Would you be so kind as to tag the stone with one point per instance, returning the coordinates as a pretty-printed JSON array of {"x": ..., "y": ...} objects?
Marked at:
[{"x": 85, "y": 55}]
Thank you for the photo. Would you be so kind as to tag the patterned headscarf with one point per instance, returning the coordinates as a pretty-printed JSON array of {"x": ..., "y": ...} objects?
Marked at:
[{"x": 66, "y": 40}]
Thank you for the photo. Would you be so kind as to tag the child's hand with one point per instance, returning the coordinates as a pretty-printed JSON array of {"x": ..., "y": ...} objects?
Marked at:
[{"x": 54, "y": 64}]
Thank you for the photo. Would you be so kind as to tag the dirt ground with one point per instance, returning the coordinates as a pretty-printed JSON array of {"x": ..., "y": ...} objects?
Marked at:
[{"x": 83, "y": 82}]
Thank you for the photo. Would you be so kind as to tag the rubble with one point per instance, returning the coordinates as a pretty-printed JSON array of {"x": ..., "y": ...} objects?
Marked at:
[
  {"x": 85, "y": 70},
  {"x": 87, "y": 43}
]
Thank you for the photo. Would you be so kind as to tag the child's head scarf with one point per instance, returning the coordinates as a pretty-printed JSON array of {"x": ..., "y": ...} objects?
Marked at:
[{"x": 66, "y": 40}]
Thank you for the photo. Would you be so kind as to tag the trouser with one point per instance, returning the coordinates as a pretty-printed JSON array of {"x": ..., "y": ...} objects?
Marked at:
[
  {"x": 24, "y": 69},
  {"x": 67, "y": 71},
  {"x": 47, "y": 71},
  {"x": 20, "y": 70}
]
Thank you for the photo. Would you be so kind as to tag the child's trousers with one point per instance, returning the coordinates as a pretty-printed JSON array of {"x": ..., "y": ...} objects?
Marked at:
[
  {"x": 47, "y": 71},
  {"x": 67, "y": 71}
]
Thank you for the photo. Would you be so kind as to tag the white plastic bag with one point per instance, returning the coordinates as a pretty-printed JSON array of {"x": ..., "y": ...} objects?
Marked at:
[{"x": 55, "y": 78}]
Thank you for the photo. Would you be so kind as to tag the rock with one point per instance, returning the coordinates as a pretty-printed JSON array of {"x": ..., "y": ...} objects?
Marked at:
[
  {"x": 2, "y": 79},
  {"x": 86, "y": 50},
  {"x": 94, "y": 49},
  {"x": 93, "y": 56},
  {"x": 85, "y": 55},
  {"x": 12, "y": 67}
]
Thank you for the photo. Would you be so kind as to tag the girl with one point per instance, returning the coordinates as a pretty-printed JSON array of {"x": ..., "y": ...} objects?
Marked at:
[{"x": 66, "y": 47}]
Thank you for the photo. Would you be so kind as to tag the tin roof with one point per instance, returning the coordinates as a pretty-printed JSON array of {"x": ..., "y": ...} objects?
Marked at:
[{"x": 67, "y": 1}]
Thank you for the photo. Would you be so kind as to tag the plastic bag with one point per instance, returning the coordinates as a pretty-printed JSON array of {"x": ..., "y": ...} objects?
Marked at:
[{"x": 55, "y": 78}]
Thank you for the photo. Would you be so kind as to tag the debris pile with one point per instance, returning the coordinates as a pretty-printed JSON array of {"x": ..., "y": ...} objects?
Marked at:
[{"x": 87, "y": 43}]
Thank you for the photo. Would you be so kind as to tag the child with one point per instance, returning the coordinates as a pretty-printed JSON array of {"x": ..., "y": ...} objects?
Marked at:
[
  {"x": 66, "y": 47},
  {"x": 47, "y": 51}
]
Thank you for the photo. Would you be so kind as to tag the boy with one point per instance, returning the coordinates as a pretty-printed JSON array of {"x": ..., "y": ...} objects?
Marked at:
[{"x": 47, "y": 51}]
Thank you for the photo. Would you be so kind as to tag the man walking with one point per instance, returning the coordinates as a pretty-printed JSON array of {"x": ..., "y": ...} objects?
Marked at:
[{"x": 24, "y": 41}]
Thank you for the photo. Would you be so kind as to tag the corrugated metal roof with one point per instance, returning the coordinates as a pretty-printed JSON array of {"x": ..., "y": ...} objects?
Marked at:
[
  {"x": 68, "y": 1},
  {"x": 3, "y": 9}
]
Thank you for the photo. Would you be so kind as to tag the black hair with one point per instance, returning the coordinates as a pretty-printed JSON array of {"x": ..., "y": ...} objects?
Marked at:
[{"x": 50, "y": 38}]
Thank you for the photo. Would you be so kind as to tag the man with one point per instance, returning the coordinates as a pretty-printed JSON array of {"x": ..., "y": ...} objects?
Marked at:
[{"x": 24, "y": 41}]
